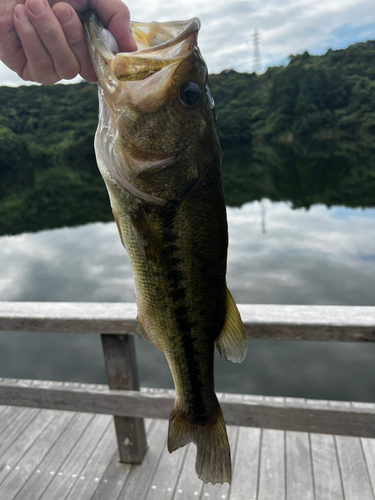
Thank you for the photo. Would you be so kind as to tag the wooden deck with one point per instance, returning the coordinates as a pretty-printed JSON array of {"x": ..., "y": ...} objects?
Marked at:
[
  {"x": 60, "y": 441},
  {"x": 64, "y": 455}
]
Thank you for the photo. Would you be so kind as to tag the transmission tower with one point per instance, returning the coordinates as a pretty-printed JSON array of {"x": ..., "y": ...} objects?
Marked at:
[
  {"x": 257, "y": 63},
  {"x": 263, "y": 213}
]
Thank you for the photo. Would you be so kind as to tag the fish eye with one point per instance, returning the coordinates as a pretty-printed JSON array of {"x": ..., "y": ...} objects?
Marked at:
[{"x": 190, "y": 94}]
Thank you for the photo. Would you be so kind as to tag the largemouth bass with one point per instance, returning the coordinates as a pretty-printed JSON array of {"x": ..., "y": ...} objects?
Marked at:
[{"x": 158, "y": 151}]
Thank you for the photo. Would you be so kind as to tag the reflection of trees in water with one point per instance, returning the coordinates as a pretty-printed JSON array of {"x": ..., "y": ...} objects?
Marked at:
[
  {"x": 71, "y": 191},
  {"x": 304, "y": 173}
]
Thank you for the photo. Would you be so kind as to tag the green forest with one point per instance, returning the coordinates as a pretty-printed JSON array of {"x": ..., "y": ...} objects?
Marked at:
[{"x": 302, "y": 133}]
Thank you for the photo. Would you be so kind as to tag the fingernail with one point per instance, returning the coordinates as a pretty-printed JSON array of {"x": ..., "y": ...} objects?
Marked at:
[
  {"x": 64, "y": 15},
  {"x": 20, "y": 11},
  {"x": 36, "y": 7}
]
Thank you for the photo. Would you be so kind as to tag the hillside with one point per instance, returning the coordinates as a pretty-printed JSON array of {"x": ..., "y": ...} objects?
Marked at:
[{"x": 301, "y": 132}]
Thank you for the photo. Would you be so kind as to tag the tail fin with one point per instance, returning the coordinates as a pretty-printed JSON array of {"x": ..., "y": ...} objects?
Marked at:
[{"x": 213, "y": 464}]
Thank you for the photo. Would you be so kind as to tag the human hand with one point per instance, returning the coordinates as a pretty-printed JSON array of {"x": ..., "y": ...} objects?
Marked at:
[{"x": 43, "y": 40}]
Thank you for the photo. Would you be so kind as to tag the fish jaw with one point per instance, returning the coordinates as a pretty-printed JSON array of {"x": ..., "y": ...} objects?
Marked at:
[{"x": 159, "y": 45}]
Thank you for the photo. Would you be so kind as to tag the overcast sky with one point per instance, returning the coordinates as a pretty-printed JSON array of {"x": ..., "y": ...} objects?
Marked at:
[{"x": 285, "y": 26}]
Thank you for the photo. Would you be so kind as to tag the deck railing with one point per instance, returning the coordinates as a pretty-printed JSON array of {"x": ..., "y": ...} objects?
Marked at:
[{"x": 123, "y": 398}]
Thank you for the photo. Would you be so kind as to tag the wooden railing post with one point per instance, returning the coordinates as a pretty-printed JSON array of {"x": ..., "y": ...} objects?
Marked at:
[{"x": 122, "y": 373}]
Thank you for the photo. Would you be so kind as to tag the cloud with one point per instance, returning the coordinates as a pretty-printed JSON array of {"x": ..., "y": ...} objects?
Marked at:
[
  {"x": 11, "y": 79},
  {"x": 290, "y": 27}
]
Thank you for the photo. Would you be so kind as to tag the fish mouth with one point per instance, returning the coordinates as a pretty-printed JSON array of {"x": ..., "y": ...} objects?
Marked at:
[{"x": 159, "y": 45}]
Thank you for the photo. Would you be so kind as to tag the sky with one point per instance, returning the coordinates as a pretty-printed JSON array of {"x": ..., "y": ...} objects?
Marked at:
[{"x": 286, "y": 27}]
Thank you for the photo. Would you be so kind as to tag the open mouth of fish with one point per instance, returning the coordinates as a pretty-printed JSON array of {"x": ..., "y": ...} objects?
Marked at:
[
  {"x": 141, "y": 81},
  {"x": 159, "y": 45}
]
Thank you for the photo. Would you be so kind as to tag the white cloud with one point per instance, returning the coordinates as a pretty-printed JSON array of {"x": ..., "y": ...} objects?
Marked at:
[{"x": 290, "y": 27}]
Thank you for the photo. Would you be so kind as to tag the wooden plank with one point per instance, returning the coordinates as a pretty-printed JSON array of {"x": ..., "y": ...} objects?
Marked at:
[
  {"x": 48, "y": 468},
  {"x": 352, "y": 463},
  {"x": 316, "y": 323},
  {"x": 20, "y": 423},
  {"x": 354, "y": 473},
  {"x": 9, "y": 416},
  {"x": 221, "y": 491},
  {"x": 189, "y": 485},
  {"x": 368, "y": 446},
  {"x": 246, "y": 465},
  {"x": 299, "y": 478},
  {"x": 369, "y": 452},
  {"x": 68, "y": 317},
  {"x": 122, "y": 373},
  {"x": 112, "y": 481},
  {"x": 71, "y": 470},
  {"x": 287, "y": 322},
  {"x": 166, "y": 475},
  {"x": 270, "y": 414},
  {"x": 17, "y": 477},
  {"x": 327, "y": 479},
  {"x": 272, "y": 466},
  {"x": 25, "y": 439},
  {"x": 141, "y": 476},
  {"x": 95, "y": 468},
  {"x": 116, "y": 475}
]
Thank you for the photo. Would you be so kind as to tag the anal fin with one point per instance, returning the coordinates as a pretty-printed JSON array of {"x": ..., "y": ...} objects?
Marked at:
[{"x": 232, "y": 343}]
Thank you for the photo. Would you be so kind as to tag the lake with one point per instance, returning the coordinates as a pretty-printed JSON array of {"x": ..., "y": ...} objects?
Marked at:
[{"x": 292, "y": 250}]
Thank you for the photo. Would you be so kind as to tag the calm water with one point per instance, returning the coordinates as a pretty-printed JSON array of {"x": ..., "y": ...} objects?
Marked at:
[{"x": 277, "y": 255}]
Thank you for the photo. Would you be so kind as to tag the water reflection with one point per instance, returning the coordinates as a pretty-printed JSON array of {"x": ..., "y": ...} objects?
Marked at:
[
  {"x": 323, "y": 256},
  {"x": 72, "y": 192},
  {"x": 320, "y": 256}
]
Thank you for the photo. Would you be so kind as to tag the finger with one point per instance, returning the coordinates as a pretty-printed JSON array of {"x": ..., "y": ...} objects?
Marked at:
[
  {"x": 38, "y": 65},
  {"x": 51, "y": 34},
  {"x": 73, "y": 31},
  {"x": 114, "y": 15},
  {"x": 11, "y": 51}
]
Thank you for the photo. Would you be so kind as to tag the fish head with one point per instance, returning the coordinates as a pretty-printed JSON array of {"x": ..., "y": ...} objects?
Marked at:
[{"x": 157, "y": 129}]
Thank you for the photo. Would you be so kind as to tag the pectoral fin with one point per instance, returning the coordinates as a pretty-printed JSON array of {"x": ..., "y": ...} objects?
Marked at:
[
  {"x": 147, "y": 236},
  {"x": 141, "y": 332},
  {"x": 231, "y": 343},
  {"x": 118, "y": 226}
]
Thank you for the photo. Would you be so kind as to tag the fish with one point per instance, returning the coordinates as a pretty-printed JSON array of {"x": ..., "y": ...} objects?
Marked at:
[{"x": 158, "y": 151}]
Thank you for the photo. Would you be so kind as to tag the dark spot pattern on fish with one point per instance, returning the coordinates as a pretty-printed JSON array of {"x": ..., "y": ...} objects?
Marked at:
[{"x": 185, "y": 325}]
